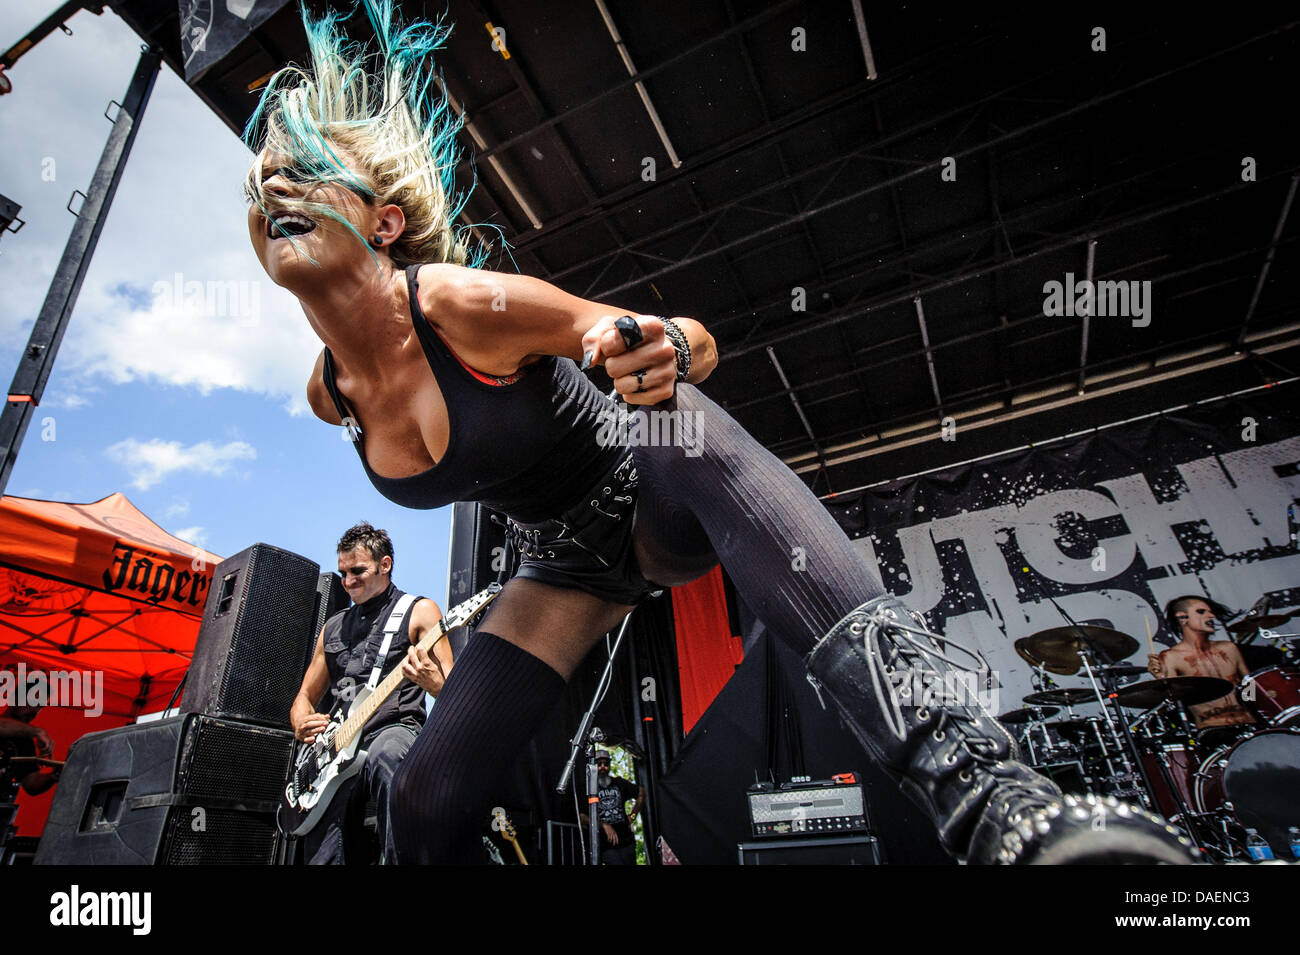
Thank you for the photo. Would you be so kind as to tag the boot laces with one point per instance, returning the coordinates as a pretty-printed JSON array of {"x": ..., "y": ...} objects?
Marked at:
[{"x": 894, "y": 636}]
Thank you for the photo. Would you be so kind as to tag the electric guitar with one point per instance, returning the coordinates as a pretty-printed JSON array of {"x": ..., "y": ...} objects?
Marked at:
[
  {"x": 501, "y": 822},
  {"x": 323, "y": 765}
]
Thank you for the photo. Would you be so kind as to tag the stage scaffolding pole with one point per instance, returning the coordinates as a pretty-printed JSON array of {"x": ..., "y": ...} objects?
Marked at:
[{"x": 37, "y": 359}]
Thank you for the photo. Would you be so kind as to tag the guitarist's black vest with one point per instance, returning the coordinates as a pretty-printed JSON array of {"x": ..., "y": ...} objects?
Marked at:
[{"x": 352, "y": 639}]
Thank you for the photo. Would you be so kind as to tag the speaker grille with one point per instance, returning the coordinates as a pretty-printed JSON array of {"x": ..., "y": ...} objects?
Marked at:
[
  {"x": 270, "y": 630},
  {"x": 232, "y": 761},
  {"x": 255, "y": 636},
  {"x": 227, "y": 837}
]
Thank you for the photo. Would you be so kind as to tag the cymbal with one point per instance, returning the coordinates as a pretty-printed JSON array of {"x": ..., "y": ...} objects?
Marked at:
[
  {"x": 1185, "y": 689},
  {"x": 1066, "y": 696},
  {"x": 1057, "y": 649},
  {"x": 1264, "y": 622},
  {"x": 1028, "y": 714}
]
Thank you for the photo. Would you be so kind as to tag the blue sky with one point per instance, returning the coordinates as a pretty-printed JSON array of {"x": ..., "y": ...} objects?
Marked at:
[{"x": 192, "y": 405}]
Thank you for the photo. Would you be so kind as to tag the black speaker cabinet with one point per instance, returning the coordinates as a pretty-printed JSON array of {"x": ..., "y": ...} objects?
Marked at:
[
  {"x": 849, "y": 850},
  {"x": 256, "y": 633},
  {"x": 330, "y": 599},
  {"x": 477, "y": 552},
  {"x": 190, "y": 790}
]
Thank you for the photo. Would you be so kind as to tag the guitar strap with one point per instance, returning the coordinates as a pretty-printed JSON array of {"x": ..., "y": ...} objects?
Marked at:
[{"x": 391, "y": 627}]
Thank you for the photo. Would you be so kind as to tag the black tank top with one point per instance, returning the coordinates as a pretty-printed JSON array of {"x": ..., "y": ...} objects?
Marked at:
[
  {"x": 528, "y": 449},
  {"x": 352, "y": 641}
]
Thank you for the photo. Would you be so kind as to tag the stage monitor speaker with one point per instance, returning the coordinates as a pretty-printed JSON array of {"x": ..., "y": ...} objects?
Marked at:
[
  {"x": 255, "y": 634},
  {"x": 477, "y": 542},
  {"x": 190, "y": 790},
  {"x": 330, "y": 599},
  {"x": 850, "y": 850}
]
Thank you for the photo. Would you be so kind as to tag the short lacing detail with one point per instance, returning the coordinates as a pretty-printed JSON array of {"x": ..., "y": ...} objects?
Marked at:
[{"x": 529, "y": 542}]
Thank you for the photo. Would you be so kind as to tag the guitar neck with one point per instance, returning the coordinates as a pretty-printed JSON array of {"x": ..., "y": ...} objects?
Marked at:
[
  {"x": 361, "y": 714},
  {"x": 518, "y": 851}
]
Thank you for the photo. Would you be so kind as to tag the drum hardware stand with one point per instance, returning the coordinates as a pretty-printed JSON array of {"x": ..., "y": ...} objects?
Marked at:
[
  {"x": 1044, "y": 682},
  {"x": 1186, "y": 815},
  {"x": 1283, "y": 642},
  {"x": 1127, "y": 747}
]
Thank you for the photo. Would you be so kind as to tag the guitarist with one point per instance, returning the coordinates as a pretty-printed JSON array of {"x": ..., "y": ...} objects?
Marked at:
[{"x": 345, "y": 656}]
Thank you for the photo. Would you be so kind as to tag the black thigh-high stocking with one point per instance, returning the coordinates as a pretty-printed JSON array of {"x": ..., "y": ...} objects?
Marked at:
[
  {"x": 715, "y": 486},
  {"x": 491, "y": 705}
]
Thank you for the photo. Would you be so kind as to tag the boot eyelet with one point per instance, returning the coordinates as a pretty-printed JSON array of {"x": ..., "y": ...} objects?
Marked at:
[
  {"x": 950, "y": 759},
  {"x": 964, "y": 775},
  {"x": 939, "y": 736},
  {"x": 923, "y": 714},
  {"x": 855, "y": 628}
]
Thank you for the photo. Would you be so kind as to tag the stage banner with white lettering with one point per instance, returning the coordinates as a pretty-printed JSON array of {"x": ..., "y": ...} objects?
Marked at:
[
  {"x": 211, "y": 29},
  {"x": 1112, "y": 524}
]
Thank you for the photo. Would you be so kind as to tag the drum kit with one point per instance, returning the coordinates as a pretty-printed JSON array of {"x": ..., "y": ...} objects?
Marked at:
[{"x": 1132, "y": 738}]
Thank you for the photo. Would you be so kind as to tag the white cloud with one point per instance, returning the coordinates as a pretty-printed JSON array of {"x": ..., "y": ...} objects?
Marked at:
[
  {"x": 151, "y": 462},
  {"x": 197, "y": 536},
  {"x": 178, "y": 508},
  {"x": 217, "y": 333},
  {"x": 66, "y": 400}
]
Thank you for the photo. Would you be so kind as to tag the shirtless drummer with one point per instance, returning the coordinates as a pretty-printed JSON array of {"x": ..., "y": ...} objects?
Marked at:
[{"x": 1197, "y": 655}]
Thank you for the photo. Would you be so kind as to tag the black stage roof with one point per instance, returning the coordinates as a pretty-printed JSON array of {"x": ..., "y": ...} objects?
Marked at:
[{"x": 823, "y": 169}]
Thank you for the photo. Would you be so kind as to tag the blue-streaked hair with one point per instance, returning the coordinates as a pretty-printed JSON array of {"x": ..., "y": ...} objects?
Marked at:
[{"x": 387, "y": 109}]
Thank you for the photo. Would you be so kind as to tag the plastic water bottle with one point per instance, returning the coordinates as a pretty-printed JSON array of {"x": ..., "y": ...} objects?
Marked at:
[
  {"x": 1255, "y": 845},
  {"x": 1293, "y": 836}
]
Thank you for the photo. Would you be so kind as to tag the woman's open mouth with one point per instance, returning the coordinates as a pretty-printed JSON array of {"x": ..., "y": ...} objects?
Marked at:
[{"x": 290, "y": 224}]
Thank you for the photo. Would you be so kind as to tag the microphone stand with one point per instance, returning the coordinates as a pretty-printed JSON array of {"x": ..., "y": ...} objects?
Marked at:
[
  {"x": 585, "y": 739},
  {"x": 593, "y": 805}
]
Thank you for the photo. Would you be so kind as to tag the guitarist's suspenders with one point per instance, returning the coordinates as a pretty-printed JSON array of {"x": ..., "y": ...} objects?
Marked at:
[{"x": 391, "y": 627}]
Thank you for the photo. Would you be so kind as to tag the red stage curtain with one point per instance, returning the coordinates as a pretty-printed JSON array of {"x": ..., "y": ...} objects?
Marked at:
[{"x": 707, "y": 652}]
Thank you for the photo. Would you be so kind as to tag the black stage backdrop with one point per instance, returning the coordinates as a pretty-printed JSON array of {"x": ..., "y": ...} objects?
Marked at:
[{"x": 1112, "y": 524}]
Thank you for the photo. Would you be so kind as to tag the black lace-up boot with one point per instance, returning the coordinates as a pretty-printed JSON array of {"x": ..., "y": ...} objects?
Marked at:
[{"x": 958, "y": 762}]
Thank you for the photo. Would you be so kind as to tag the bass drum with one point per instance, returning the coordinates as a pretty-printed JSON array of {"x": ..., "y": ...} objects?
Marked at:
[{"x": 1255, "y": 781}]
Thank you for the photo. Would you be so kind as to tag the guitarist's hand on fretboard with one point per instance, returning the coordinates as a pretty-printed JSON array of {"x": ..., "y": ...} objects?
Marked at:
[{"x": 423, "y": 670}]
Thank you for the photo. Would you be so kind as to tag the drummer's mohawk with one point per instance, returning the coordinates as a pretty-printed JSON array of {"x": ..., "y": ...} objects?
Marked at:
[{"x": 387, "y": 109}]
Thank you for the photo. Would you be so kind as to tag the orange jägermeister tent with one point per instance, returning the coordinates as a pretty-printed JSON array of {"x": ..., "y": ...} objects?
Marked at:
[{"x": 101, "y": 596}]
